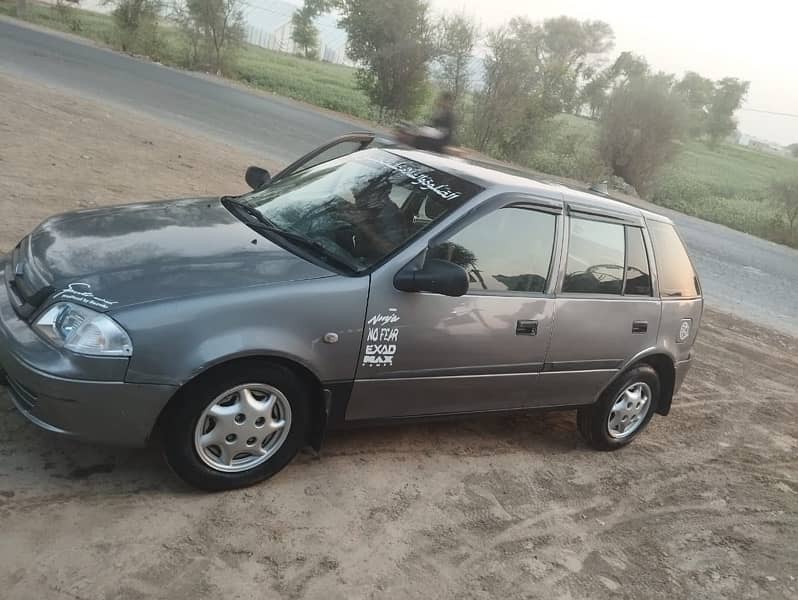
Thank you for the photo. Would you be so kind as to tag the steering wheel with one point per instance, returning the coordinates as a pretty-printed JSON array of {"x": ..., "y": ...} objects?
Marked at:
[{"x": 603, "y": 276}]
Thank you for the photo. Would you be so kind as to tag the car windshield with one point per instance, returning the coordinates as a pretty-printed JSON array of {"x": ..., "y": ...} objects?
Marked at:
[{"x": 360, "y": 208}]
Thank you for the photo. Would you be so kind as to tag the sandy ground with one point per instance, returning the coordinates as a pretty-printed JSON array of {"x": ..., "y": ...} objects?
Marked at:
[{"x": 703, "y": 505}]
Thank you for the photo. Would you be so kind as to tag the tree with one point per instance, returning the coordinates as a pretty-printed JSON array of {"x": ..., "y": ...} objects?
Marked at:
[
  {"x": 628, "y": 66},
  {"x": 594, "y": 93},
  {"x": 303, "y": 32},
  {"x": 458, "y": 36},
  {"x": 192, "y": 32},
  {"x": 392, "y": 40},
  {"x": 222, "y": 25},
  {"x": 136, "y": 23},
  {"x": 785, "y": 196},
  {"x": 698, "y": 93},
  {"x": 793, "y": 148},
  {"x": 22, "y": 8},
  {"x": 727, "y": 97},
  {"x": 509, "y": 107},
  {"x": 639, "y": 129},
  {"x": 566, "y": 49},
  {"x": 532, "y": 72}
]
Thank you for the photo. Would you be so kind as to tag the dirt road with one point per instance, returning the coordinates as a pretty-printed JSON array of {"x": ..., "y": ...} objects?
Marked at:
[{"x": 704, "y": 505}]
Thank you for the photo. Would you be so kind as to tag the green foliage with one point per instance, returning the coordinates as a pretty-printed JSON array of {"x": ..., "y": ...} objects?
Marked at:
[
  {"x": 571, "y": 150},
  {"x": 728, "y": 95},
  {"x": 643, "y": 119},
  {"x": 457, "y": 37},
  {"x": 697, "y": 92},
  {"x": 729, "y": 184},
  {"x": 303, "y": 32},
  {"x": 136, "y": 24},
  {"x": 393, "y": 41},
  {"x": 567, "y": 44},
  {"x": 323, "y": 84},
  {"x": 220, "y": 27},
  {"x": 531, "y": 74},
  {"x": 785, "y": 198}
]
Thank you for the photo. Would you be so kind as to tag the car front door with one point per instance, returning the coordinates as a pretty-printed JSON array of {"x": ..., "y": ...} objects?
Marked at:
[
  {"x": 427, "y": 354},
  {"x": 606, "y": 309}
]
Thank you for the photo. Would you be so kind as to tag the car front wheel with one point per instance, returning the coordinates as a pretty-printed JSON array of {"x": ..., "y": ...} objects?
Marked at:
[
  {"x": 237, "y": 426},
  {"x": 622, "y": 411}
]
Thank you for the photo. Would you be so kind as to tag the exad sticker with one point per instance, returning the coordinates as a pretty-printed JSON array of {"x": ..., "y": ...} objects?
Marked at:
[
  {"x": 81, "y": 292},
  {"x": 382, "y": 337}
]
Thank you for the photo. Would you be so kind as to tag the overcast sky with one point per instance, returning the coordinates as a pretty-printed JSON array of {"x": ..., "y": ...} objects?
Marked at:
[{"x": 754, "y": 41}]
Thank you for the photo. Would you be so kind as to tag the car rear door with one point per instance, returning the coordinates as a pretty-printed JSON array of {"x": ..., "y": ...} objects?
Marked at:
[
  {"x": 427, "y": 354},
  {"x": 606, "y": 308}
]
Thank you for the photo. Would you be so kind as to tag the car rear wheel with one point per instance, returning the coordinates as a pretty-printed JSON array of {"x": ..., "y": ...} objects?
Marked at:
[
  {"x": 236, "y": 426},
  {"x": 622, "y": 411}
]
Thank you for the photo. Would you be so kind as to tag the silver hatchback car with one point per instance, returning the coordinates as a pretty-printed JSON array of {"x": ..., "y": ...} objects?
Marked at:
[{"x": 361, "y": 284}]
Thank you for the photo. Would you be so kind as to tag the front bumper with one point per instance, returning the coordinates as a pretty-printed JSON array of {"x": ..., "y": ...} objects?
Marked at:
[{"x": 81, "y": 397}]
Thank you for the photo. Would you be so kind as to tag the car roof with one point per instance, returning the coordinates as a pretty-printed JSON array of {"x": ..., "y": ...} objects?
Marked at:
[{"x": 489, "y": 174}]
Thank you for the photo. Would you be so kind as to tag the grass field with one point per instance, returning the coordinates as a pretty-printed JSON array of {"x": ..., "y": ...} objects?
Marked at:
[
  {"x": 323, "y": 84},
  {"x": 727, "y": 185}
]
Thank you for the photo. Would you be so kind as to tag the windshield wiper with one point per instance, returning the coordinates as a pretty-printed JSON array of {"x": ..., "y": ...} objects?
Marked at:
[{"x": 264, "y": 226}]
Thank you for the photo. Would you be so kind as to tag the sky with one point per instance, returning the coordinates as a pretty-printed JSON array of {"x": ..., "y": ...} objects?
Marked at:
[{"x": 754, "y": 41}]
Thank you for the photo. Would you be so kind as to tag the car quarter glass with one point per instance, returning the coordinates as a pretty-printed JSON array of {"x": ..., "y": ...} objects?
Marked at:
[
  {"x": 508, "y": 250},
  {"x": 677, "y": 279}
]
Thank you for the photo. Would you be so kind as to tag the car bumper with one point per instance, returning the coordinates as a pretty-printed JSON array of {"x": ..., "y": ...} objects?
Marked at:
[{"x": 81, "y": 397}]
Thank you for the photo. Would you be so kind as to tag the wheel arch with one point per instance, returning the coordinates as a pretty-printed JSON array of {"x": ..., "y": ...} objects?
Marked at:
[
  {"x": 315, "y": 389},
  {"x": 664, "y": 365}
]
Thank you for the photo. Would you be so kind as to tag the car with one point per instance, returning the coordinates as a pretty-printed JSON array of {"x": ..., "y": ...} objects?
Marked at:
[{"x": 365, "y": 283}]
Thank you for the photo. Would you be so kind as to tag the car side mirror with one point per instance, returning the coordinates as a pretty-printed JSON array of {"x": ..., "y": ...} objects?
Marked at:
[
  {"x": 256, "y": 177},
  {"x": 436, "y": 276}
]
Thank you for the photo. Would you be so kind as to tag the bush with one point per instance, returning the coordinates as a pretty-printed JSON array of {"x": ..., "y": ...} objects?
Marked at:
[
  {"x": 136, "y": 24},
  {"x": 639, "y": 128}
]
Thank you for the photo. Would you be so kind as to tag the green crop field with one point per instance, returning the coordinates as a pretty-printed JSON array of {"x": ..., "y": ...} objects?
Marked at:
[
  {"x": 728, "y": 185},
  {"x": 323, "y": 84}
]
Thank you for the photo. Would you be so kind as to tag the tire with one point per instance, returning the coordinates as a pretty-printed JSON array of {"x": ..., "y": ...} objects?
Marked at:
[
  {"x": 268, "y": 394},
  {"x": 607, "y": 429}
]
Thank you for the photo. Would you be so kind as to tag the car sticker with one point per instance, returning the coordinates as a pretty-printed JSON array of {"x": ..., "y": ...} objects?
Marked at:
[
  {"x": 81, "y": 292},
  {"x": 382, "y": 338},
  {"x": 421, "y": 179}
]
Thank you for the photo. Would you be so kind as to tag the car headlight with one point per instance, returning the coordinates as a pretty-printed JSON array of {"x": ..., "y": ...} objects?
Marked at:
[{"x": 83, "y": 330}]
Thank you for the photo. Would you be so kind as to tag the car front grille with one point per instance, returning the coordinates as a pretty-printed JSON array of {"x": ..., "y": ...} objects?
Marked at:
[{"x": 22, "y": 395}]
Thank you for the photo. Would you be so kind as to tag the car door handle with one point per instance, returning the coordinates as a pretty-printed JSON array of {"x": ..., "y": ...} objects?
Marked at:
[
  {"x": 639, "y": 326},
  {"x": 526, "y": 327}
]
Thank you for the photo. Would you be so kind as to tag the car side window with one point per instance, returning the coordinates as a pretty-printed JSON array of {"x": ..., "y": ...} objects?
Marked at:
[
  {"x": 508, "y": 250},
  {"x": 596, "y": 252},
  {"x": 638, "y": 272}
]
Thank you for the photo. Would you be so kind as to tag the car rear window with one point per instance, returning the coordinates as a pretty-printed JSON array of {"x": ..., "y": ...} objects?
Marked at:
[{"x": 677, "y": 279}]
